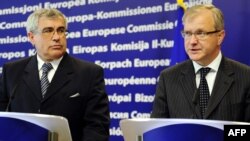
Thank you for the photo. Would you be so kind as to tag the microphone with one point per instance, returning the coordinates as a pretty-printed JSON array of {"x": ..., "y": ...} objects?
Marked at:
[
  {"x": 12, "y": 95},
  {"x": 195, "y": 97}
]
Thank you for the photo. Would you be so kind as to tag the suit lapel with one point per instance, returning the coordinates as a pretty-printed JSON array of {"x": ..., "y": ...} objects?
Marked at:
[
  {"x": 189, "y": 87},
  {"x": 31, "y": 77},
  {"x": 222, "y": 83},
  {"x": 62, "y": 76}
]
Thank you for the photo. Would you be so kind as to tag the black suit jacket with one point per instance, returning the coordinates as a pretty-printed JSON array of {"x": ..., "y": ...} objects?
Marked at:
[
  {"x": 87, "y": 112},
  {"x": 176, "y": 95}
]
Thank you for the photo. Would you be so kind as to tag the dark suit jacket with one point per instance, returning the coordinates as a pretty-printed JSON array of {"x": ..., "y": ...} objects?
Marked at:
[
  {"x": 87, "y": 114},
  {"x": 230, "y": 97}
]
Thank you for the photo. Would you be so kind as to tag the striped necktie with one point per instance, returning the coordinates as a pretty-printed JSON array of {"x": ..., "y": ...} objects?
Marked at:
[{"x": 44, "y": 79}]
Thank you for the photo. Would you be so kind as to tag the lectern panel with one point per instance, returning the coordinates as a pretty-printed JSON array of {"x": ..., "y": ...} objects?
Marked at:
[{"x": 12, "y": 129}]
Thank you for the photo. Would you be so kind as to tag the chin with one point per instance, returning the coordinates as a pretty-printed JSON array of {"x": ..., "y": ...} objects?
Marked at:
[
  {"x": 194, "y": 57},
  {"x": 58, "y": 55}
]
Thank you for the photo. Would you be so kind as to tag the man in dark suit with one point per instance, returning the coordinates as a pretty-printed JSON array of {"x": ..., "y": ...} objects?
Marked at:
[
  {"x": 185, "y": 92},
  {"x": 73, "y": 88}
]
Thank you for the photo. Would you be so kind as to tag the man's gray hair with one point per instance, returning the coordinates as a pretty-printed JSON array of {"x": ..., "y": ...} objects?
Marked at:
[
  {"x": 33, "y": 19},
  {"x": 217, "y": 14}
]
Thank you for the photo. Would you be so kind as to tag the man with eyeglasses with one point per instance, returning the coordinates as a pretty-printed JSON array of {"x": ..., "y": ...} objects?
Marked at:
[
  {"x": 54, "y": 83},
  {"x": 208, "y": 85}
]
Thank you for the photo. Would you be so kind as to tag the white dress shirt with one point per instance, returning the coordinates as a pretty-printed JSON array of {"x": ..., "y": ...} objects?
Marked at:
[
  {"x": 210, "y": 77},
  {"x": 54, "y": 63}
]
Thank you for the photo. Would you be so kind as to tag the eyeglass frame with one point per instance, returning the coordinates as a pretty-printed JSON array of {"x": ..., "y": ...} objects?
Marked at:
[
  {"x": 198, "y": 34},
  {"x": 50, "y": 32}
]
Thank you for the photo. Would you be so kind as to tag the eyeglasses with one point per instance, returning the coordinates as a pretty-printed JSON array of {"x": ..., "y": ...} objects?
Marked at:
[
  {"x": 199, "y": 35},
  {"x": 49, "y": 31}
]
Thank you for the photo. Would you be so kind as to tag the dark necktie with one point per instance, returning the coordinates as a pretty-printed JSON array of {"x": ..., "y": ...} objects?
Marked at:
[
  {"x": 204, "y": 91},
  {"x": 44, "y": 79}
]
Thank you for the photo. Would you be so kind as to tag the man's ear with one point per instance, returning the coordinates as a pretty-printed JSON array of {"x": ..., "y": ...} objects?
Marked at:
[
  {"x": 31, "y": 38},
  {"x": 221, "y": 36}
]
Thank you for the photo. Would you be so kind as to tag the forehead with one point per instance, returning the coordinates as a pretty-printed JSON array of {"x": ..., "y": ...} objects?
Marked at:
[
  {"x": 203, "y": 20},
  {"x": 51, "y": 22}
]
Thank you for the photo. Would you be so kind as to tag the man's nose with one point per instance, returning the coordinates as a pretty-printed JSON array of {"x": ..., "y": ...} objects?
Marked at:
[
  {"x": 55, "y": 35},
  {"x": 193, "y": 39}
]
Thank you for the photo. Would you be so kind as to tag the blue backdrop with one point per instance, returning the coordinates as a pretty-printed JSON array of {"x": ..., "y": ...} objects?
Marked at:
[{"x": 132, "y": 40}]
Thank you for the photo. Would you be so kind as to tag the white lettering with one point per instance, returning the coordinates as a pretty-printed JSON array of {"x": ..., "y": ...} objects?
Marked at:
[
  {"x": 4, "y": 25},
  {"x": 11, "y": 55},
  {"x": 80, "y": 18},
  {"x": 65, "y": 4},
  {"x": 73, "y": 35},
  {"x": 114, "y": 64},
  {"x": 129, "y": 12},
  {"x": 170, "y": 7},
  {"x": 154, "y": 63},
  {"x": 101, "y": 1},
  {"x": 78, "y": 49},
  {"x": 140, "y": 45},
  {"x": 150, "y": 27},
  {"x": 116, "y": 98},
  {"x": 12, "y": 40},
  {"x": 136, "y": 114},
  {"x": 162, "y": 43},
  {"x": 20, "y": 10},
  {"x": 131, "y": 81},
  {"x": 31, "y": 52},
  {"x": 103, "y": 32},
  {"x": 141, "y": 97},
  {"x": 115, "y": 131},
  {"x": 119, "y": 115}
]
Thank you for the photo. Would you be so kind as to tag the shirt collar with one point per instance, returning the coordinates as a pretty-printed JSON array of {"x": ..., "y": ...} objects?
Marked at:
[
  {"x": 54, "y": 63},
  {"x": 214, "y": 65}
]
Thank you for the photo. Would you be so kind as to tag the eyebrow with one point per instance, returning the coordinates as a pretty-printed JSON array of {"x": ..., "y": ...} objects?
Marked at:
[
  {"x": 54, "y": 27},
  {"x": 60, "y": 27},
  {"x": 197, "y": 30}
]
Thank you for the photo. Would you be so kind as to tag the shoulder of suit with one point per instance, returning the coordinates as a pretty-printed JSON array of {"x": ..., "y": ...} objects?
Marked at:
[
  {"x": 18, "y": 62},
  {"x": 235, "y": 65}
]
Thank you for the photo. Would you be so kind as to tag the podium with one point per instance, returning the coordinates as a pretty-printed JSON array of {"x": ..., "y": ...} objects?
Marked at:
[
  {"x": 33, "y": 127},
  {"x": 174, "y": 129}
]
